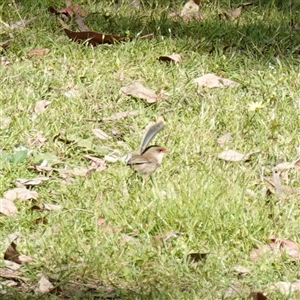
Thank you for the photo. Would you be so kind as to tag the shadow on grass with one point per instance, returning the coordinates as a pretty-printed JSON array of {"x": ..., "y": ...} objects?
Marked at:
[{"x": 253, "y": 37}]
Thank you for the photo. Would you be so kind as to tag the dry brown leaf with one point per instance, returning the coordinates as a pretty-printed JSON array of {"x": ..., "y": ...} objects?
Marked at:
[
  {"x": 5, "y": 273},
  {"x": 11, "y": 265},
  {"x": 41, "y": 220},
  {"x": 232, "y": 155},
  {"x": 4, "y": 122},
  {"x": 25, "y": 258},
  {"x": 48, "y": 206},
  {"x": 100, "y": 164},
  {"x": 277, "y": 246},
  {"x": 137, "y": 90},
  {"x": 11, "y": 253},
  {"x": 170, "y": 58},
  {"x": 287, "y": 165},
  {"x": 159, "y": 239},
  {"x": 100, "y": 134},
  {"x": 95, "y": 38},
  {"x": 111, "y": 158},
  {"x": 41, "y": 106},
  {"x": 21, "y": 194},
  {"x": 196, "y": 257},
  {"x": 286, "y": 288},
  {"x": 28, "y": 182},
  {"x": 214, "y": 81},
  {"x": 277, "y": 183},
  {"x": 246, "y": 4},
  {"x": 100, "y": 221},
  {"x": 68, "y": 11},
  {"x": 240, "y": 270},
  {"x": 81, "y": 23},
  {"x": 287, "y": 190},
  {"x": 19, "y": 24},
  {"x": 39, "y": 52},
  {"x": 38, "y": 140},
  {"x": 44, "y": 286},
  {"x": 190, "y": 11},
  {"x": 5, "y": 44},
  {"x": 224, "y": 139},
  {"x": 7, "y": 207},
  {"x": 257, "y": 296},
  {"x": 234, "y": 13}
]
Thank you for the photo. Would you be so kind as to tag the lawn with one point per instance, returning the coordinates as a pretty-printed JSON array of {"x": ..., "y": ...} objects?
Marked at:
[{"x": 190, "y": 231}]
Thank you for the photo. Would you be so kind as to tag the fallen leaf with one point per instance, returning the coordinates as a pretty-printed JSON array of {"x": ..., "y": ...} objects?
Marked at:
[
  {"x": 214, "y": 81},
  {"x": 41, "y": 106},
  {"x": 240, "y": 270},
  {"x": 48, "y": 206},
  {"x": 4, "y": 122},
  {"x": 277, "y": 246},
  {"x": 234, "y": 13},
  {"x": 100, "y": 164},
  {"x": 41, "y": 220},
  {"x": 232, "y": 291},
  {"x": 11, "y": 265},
  {"x": 7, "y": 207},
  {"x": 100, "y": 221},
  {"x": 232, "y": 155},
  {"x": 265, "y": 248},
  {"x": 224, "y": 139},
  {"x": 5, "y": 273},
  {"x": 159, "y": 239},
  {"x": 111, "y": 158},
  {"x": 11, "y": 253},
  {"x": 21, "y": 194},
  {"x": 81, "y": 23},
  {"x": 5, "y": 44},
  {"x": 137, "y": 90},
  {"x": 68, "y": 11},
  {"x": 190, "y": 11},
  {"x": 277, "y": 183},
  {"x": 257, "y": 296},
  {"x": 126, "y": 238},
  {"x": 286, "y": 288},
  {"x": 245, "y": 4},
  {"x": 100, "y": 134},
  {"x": 170, "y": 58},
  {"x": 94, "y": 38},
  {"x": 44, "y": 285},
  {"x": 288, "y": 165},
  {"x": 287, "y": 190},
  {"x": 39, "y": 52},
  {"x": 196, "y": 257},
  {"x": 38, "y": 141},
  {"x": 28, "y": 182},
  {"x": 19, "y": 24}
]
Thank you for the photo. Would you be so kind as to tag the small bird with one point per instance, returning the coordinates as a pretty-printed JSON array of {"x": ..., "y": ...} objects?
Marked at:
[{"x": 147, "y": 160}]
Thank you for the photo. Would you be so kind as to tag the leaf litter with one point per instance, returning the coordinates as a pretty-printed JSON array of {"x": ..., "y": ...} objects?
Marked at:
[
  {"x": 20, "y": 194},
  {"x": 176, "y": 58},
  {"x": 137, "y": 90},
  {"x": 235, "y": 156},
  {"x": 214, "y": 81}
]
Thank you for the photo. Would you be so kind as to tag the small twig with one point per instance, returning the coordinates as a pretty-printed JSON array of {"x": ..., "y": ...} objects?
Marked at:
[{"x": 147, "y": 36}]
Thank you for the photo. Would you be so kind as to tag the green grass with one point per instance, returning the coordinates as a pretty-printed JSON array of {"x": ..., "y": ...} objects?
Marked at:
[{"x": 202, "y": 199}]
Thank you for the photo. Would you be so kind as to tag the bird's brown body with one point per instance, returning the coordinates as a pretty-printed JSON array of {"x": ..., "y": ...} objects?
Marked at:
[{"x": 147, "y": 162}]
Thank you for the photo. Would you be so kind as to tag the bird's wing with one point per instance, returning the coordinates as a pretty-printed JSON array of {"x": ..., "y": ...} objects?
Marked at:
[
  {"x": 150, "y": 134},
  {"x": 134, "y": 160}
]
